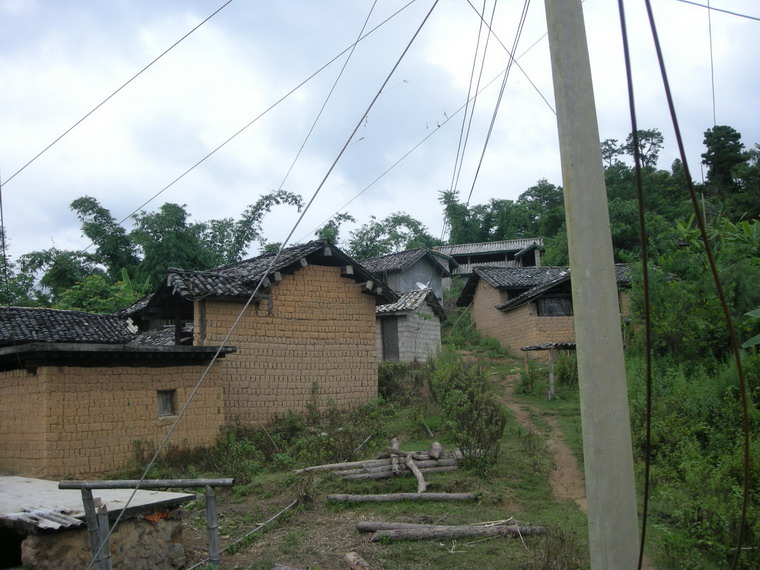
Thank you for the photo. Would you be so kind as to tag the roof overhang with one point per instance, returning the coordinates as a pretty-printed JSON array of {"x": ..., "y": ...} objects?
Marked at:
[{"x": 33, "y": 355}]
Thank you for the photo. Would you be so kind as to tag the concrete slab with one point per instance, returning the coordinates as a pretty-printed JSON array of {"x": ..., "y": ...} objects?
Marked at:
[{"x": 20, "y": 495}]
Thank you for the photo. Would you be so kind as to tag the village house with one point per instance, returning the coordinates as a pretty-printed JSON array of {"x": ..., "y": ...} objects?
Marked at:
[
  {"x": 79, "y": 391},
  {"x": 526, "y": 306},
  {"x": 524, "y": 252},
  {"x": 409, "y": 330},
  {"x": 410, "y": 270}
]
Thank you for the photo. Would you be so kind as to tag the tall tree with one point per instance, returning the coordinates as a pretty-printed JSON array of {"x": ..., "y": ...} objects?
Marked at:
[
  {"x": 331, "y": 230},
  {"x": 397, "y": 232},
  {"x": 724, "y": 154}
]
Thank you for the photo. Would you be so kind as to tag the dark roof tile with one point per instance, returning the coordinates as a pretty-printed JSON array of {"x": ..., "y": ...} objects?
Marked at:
[{"x": 19, "y": 325}]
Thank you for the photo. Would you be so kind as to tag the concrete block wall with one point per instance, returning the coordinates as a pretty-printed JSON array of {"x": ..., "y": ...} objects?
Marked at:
[
  {"x": 419, "y": 335},
  {"x": 317, "y": 345},
  {"x": 87, "y": 420}
]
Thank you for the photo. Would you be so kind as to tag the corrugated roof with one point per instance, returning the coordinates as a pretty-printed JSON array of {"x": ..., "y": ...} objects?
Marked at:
[{"x": 25, "y": 324}]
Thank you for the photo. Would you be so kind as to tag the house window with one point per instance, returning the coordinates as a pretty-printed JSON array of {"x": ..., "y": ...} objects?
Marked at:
[
  {"x": 555, "y": 307},
  {"x": 167, "y": 402}
]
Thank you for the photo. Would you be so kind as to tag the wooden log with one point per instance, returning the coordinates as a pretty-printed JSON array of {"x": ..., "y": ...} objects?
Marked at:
[
  {"x": 421, "y": 484},
  {"x": 435, "y": 450},
  {"x": 412, "y": 454},
  {"x": 347, "y": 465},
  {"x": 454, "y": 532},
  {"x": 387, "y": 466},
  {"x": 402, "y": 497},
  {"x": 394, "y": 458},
  {"x": 389, "y": 474},
  {"x": 356, "y": 562}
]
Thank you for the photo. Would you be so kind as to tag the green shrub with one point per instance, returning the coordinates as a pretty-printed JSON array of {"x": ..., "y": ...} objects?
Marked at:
[{"x": 530, "y": 378}]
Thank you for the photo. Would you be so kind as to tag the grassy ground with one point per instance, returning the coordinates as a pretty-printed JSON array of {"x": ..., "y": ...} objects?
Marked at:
[{"x": 317, "y": 534}]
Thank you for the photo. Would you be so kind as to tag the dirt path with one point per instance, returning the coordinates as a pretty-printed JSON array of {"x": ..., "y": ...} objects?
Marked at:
[{"x": 566, "y": 478}]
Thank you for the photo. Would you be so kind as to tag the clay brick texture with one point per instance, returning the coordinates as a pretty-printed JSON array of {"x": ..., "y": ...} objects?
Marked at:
[
  {"x": 76, "y": 422},
  {"x": 317, "y": 346},
  {"x": 522, "y": 326}
]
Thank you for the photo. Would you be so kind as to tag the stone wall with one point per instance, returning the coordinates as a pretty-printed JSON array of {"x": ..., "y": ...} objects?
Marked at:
[
  {"x": 76, "y": 422},
  {"x": 317, "y": 345},
  {"x": 136, "y": 543}
]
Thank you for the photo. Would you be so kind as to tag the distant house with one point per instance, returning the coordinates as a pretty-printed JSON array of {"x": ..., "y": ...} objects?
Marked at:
[
  {"x": 407, "y": 271},
  {"x": 506, "y": 253},
  {"x": 77, "y": 390},
  {"x": 409, "y": 330},
  {"x": 524, "y": 306}
]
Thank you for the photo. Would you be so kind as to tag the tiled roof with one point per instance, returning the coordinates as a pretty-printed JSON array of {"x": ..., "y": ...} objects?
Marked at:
[
  {"x": 240, "y": 279},
  {"x": 404, "y": 259},
  {"x": 533, "y": 293},
  {"x": 519, "y": 277},
  {"x": 488, "y": 247},
  {"x": 411, "y": 301},
  {"x": 24, "y": 325}
]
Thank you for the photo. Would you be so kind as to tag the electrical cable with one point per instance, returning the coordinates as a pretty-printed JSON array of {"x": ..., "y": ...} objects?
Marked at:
[
  {"x": 718, "y": 288},
  {"x": 235, "y": 323},
  {"x": 720, "y": 10},
  {"x": 104, "y": 101},
  {"x": 518, "y": 34},
  {"x": 327, "y": 99},
  {"x": 403, "y": 157},
  {"x": 712, "y": 62},
  {"x": 643, "y": 243}
]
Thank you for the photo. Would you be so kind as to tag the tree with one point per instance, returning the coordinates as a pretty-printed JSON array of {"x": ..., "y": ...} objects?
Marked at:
[
  {"x": 331, "y": 230},
  {"x": 114, "y": 248},
  {"x": 397, "y": 232},
  {"x": 724, "y": 154},
  {"x": 650, "y": 145},
  {"x": 610, "y": 151}
]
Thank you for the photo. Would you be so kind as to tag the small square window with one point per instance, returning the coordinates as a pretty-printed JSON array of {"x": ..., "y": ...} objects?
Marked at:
[{"x": 167, "y": 402}]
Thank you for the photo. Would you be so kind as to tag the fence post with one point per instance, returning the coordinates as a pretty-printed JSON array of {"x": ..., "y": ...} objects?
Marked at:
[
  {"x": 213, "y": 528},
  {"x": 104, "y": 559}
]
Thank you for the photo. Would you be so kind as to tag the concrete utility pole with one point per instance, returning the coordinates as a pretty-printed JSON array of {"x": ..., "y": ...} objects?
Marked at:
[{"x": 607, "y": 452}]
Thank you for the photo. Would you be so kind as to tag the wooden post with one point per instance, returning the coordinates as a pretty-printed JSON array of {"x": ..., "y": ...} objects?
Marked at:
[
  {"x": 213, "y": 528},
  {"x": 607, "y": 449},
  {"x": 552, "y": 360},
  {"x": 104, "y": 558},
  {"x": 91, "y": 517}
]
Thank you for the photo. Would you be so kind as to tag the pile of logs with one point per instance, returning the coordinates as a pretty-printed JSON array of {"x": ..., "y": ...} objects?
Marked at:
[
  {"x": 396, "y": 462},
  {"x": 385, "y": 531}
]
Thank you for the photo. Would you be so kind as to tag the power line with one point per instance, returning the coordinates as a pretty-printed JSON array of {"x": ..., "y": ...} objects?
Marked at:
[
  {"x": 234, "y": 325},
  {"x": 104, "y": 101},
  {"x": 713, "y": 9}
]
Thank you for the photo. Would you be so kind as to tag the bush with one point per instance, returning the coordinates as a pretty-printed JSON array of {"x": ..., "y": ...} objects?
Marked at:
[{"x": 474, "y": 418}]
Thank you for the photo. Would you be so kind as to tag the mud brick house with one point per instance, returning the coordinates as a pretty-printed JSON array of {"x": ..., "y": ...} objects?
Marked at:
[
  {"x": 78, "y": 390},
  {"x": 409, "y": 330},
  {"x": 403, "y": 271},
  {"x": 524, "y": 306}
]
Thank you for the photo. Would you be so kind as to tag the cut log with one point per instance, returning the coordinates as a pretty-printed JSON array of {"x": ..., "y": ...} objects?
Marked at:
[
  {"x": 412, "y": 454},
  {"x": 347, "y": 465},
  {"x": 453, "y": 532},
  {"x": 356, "y": 562},
  {"x": 394, "y": 458},
  {"x": 402, "y": 497},
  {"x": 388, "y": 474},
  {"x": 435, "y": 450},
  {"x": 421, "y": 484}
]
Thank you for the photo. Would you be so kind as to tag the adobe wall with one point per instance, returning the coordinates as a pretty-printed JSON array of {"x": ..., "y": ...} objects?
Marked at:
[
  {"x": 22, "y": 425},
  {"x": 79, "y": 422},
  {"x": 318, "y": 345}
]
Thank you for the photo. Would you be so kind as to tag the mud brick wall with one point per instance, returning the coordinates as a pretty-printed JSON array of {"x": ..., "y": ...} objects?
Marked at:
[
  {"x": 317, "y": 345},
  {"x": 85, "y": 421},
  {"x": 22, "y": 422}
]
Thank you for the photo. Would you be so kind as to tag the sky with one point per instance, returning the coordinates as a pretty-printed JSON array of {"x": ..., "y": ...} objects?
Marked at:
[{"x": 59, "y": 60}]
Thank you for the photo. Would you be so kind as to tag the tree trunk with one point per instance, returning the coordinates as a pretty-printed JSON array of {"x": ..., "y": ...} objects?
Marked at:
[
  {"x": 421, "y": 484},
  {"x": 403, "y": 497},
  {"x": 451, "y": 532},
  {"x": 356, "y": 562}
]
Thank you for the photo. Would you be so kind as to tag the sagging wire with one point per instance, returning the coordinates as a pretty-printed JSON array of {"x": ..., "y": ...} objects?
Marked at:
[
  {"x": 234, "y": 325},
  {"x": 643, "y": 243},
  {"x": 718, "y": 288}
]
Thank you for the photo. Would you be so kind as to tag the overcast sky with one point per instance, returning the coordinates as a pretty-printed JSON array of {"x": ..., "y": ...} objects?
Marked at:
[{"x": 58, "y": 60}]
